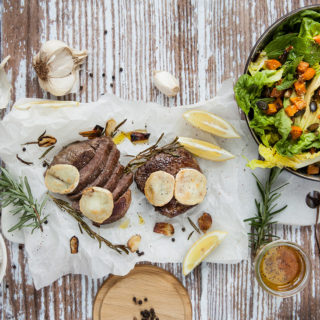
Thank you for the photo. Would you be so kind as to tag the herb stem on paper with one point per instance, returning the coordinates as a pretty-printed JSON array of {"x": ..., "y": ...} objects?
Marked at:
[
  {"x": 18, "y": 194},
  {"x": 65, "y": 206},
  {"x": 266, "y": 210},
  {"x": 148, "y": 153}
]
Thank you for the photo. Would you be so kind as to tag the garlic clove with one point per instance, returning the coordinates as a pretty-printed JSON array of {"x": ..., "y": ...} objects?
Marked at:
[
  {"x": 57, "y": 67},
  {"x": 166, "y": 83},
  {"x": 5, "y": 85},
  {"x": 59, "y": 86},
  {"x": 60, "y": 64}
]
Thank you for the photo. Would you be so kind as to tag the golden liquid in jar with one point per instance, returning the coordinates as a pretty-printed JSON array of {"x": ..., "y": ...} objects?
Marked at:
[{"x": 282, "y": 268}]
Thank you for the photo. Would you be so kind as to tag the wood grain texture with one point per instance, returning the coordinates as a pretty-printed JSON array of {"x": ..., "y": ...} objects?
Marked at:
[{"x": 202, "y": 43}]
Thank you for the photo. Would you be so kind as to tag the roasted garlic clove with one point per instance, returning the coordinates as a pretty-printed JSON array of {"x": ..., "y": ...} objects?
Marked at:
[
  {"x": 164, "y": 228},
  {"x": 166, "y": 83},
  {"x": 74, "y": 245},
  {"x": 205, "y": 222},
  {"x": 134, "y": 242},
  {"x": 110, "y": 127}
]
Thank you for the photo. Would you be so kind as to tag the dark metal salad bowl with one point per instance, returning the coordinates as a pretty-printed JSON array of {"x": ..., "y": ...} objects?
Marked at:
[{"x": 260, "y": 44}]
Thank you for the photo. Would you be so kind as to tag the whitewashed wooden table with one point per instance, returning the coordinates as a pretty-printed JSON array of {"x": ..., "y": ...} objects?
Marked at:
[{"x": 202, "y": 43}]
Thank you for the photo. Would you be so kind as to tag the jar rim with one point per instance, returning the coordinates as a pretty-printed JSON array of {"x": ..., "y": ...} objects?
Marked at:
[{"x": 304, "y": 280}]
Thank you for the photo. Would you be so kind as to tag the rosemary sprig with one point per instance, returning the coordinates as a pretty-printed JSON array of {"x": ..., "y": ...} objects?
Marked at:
[
  {"x": 46, "y": 152},
  {"x": 193, "y": 225},
  {"x": 65, "y": 206},
  {"x": 266, "y": 211},
  {"x": 148, "y": 153},
  {"x": 20, "y": 196}
]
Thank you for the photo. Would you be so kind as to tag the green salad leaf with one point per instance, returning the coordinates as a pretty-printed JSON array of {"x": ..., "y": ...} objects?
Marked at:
[
  {"x": 276, "y": 47},
  {"x": 309, "y": 28}
]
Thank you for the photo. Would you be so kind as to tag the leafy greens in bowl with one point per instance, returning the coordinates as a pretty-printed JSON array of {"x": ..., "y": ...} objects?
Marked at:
[{"x": 280, "y": 94}]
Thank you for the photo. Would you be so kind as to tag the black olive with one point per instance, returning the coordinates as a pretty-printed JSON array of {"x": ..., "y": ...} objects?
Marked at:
[
  {"x": 300, "y": 113},
  {"x": 283, "y": 57},
  {"x": 262, "y": 105},
  {"x": 313, "y": 106},
  {"x": 313, "y": 199},
  {"x": 313, "y": 127}
]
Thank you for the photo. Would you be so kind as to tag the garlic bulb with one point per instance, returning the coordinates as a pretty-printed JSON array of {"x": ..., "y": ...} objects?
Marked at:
[
  {"x": 57, "y": 67},
  {"x": 166, "y": 83},
  {"x": 5, "y": 85}
]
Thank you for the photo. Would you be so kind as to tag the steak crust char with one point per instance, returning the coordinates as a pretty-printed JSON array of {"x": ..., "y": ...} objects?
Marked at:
[
  {"x": 170, "y": 164},
  {"x": 98, "y": 163}
]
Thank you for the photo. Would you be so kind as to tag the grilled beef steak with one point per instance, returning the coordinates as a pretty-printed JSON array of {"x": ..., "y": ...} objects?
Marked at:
[
  {"x": 171, "y": 164},
  {"x": 98, "y": 163}
]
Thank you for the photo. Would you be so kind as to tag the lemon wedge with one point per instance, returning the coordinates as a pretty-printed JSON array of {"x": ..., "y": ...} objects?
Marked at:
[
  {"x": 210, "y": 122},
  {"x": 205, "y": 149},
  {"x": 201, "y": 249}
]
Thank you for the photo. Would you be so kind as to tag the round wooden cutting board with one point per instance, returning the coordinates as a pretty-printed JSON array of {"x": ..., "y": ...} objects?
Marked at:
[{"x": 164, "y": 293}]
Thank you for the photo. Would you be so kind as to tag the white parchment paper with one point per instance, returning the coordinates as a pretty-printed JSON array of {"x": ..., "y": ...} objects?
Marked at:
[{"x": 229, "y": 199}]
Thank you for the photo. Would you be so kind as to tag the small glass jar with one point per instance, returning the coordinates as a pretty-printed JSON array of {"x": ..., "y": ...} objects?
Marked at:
[{"x": 282, "y": 268}]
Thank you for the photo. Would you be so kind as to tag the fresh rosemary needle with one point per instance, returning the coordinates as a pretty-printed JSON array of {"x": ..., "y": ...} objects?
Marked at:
[
  {"x": 19, "y": 195},
  {"x": 266, "y": 210},
  {"x": 83, "y": 226}
]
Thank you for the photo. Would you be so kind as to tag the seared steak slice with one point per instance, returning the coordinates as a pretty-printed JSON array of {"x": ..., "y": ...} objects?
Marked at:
[
  {"x": 105, "y": 174},
  {"x": 115, "y": 177},
  {"x": 77, "y": 154},
  {"x": 95, "y": 166},
  {"x": 122, "y": 186},
  {"x": 171, "y": 164},
  {"x": 120, "y": 208}
]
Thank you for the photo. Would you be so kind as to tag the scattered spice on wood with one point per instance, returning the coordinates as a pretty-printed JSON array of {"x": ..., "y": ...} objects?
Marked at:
[
  {"x": 105, "y": 31},
  {"x": 190, "y": 235},
  {"x": 21, "y": 246},
  {"x": 134, "y": 299},
  {"x": 145, "y": 299},
  {"x": 140, "y": 302},
  {"x": 90, "y": 74},
  {"x": 28, "y": 163},
  {"x": 120, "y": 69},
  {"x": 193, "y": 225},
  {"x": 46, "y": 152},
  {"x": 111, "y": 85},
  {"x": 113, "y": 77}
]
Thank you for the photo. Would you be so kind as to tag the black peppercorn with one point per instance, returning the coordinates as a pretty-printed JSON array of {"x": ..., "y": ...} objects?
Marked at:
[
  {"x": 173, "y": 239},
  {"x": 20, "y": 246},
  {"x": 103, "y": 74},
  {"x": 24, "y": 149},
  {"x": 113, "y": 77},
  {"x": 105, "y": 31},
  {"x": 81, "y": 88},
  {"x": 140, "y": 302},
  {"x": 145, "y": 299},
  {"x": 120, "y": 69},
  {"x": 134, "y": 299},
  {"x": 91, "y": 74},
  {"x": 111, "y": 85},
  {"x": 183, "y": 229}
]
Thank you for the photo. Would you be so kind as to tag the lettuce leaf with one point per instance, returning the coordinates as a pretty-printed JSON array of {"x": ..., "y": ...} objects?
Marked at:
[
  {"x": 273, "y": 159},
  {"x": 309, "y": 28},
  {"x": 276, "y": 47},
  {"x": 283, "y": 124},
  {"x": 257, "y": 65}
]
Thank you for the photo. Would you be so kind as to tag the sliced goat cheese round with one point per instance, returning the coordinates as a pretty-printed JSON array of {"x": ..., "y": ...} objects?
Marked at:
[
  {"x": 96, "y": 204},
  {"x": 62, "y": 178},
  {"x": 159, "y": 188},
  {"x": 190, "y": 187}
]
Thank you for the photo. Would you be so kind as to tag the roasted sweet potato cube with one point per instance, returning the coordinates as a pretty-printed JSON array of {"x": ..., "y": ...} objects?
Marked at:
[
  {"x": 291, "y": 110},
  {"x": 302, "y": 67},
  {"x": 272, "y": 108},
  {"x": 296, "y": 132},
  {"x": 299, "y": 102},
  {"x": 308, "y": 74},
  {"x": 272, "y": 64},
  {"x": 312, "y": 169},
  {"x": 279, "y": 103},
  {"x": 317, "y": 39},
  {"x": 275, "y": 93},
  {"x": 300, "y": 87}
]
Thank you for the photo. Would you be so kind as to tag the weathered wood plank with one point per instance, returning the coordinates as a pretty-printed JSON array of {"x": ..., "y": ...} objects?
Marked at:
[{"x": 202, "y": 43}]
